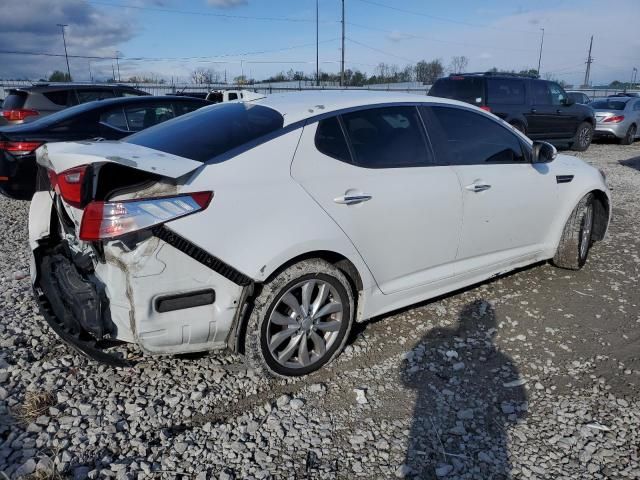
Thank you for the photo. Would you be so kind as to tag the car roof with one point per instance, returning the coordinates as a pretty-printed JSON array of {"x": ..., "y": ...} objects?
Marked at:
[{"x": 298, "y": 106}]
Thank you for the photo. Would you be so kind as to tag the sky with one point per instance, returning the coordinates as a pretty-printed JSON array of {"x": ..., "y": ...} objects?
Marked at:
[{"x": 170, "y": 38}]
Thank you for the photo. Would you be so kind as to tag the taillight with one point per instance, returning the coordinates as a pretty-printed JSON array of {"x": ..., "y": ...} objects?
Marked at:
[
  {"x": 615, "y": 119},
  {"x": 19, "y": 148},
  {"x": 485, "y": 108},
  {"x": 107, "y": 220},
  {"x": 19, "y": 114},
  {"x": 68, "y": 184}
]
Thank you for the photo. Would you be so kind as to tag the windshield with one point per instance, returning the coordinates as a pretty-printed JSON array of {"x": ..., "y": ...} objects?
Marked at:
[
  {"x": 210, "y": 131},
  {"x": 609, "y": 104}
]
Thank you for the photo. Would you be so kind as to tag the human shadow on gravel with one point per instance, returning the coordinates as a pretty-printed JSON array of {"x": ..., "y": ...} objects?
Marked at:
[
  {"x": 468, "y": 393},
  {"x": 631, "y": 162}
]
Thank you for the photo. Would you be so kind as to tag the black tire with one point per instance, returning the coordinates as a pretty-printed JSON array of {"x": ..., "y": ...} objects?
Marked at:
[
  {"x": 583, "y": 137},
  {"x": 519, "y": 126},
  {"x": 577, "y": 236},
  {"x": 630, "y": 136},
  {"x": 260, "y": 327}
]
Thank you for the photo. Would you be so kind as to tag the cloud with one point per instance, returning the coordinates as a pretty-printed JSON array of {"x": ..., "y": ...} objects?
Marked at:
[
  {"x": 396, "y": 36},
  {"x": 31, "y": 25},
  {"x": 227, "y": 3}
]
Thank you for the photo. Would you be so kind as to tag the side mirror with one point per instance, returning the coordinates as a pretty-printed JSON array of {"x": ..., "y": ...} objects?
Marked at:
[{"x": 543, "y": 152}]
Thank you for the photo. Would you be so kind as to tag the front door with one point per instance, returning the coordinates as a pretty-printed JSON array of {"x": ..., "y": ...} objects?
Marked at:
[
  {"x": 544, "y": 119},
  {"x": 379, "y": 184},
  {"x": 507, "y": 200}
]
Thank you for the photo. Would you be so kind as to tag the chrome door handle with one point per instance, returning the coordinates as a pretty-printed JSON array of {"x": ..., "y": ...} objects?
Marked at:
[
  {"x": 352, "y": 199},
  {"x": 478, "y": 187}
]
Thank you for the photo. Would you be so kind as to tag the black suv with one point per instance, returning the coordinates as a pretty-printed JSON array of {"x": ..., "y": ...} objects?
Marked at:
[
  {"x": 539, "y": 108},
  {"x": 24, "y": 104}
]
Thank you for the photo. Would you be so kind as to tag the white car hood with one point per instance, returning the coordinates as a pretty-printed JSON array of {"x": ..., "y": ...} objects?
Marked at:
[{"x": 65, "y": 155}]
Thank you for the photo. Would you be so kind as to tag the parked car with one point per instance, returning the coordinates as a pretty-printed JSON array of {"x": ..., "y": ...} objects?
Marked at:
[
  {"x": 110, "y": 119},
  {"x": 539, "y": 108},
  {"x": 579, "y": 97},
  {"x": 217, "y": 96},
  {"x": 272, "y": 226},
  {"x": 25, "y": 104},
  {"x": 200, "y": 95},
  {"x": 618, "y": 117}
]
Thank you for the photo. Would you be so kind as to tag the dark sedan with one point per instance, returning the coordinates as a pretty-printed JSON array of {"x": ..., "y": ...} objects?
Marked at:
[{"x": 110, "y": 119}]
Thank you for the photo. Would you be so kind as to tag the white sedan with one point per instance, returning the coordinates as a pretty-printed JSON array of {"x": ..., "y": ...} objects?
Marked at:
[{"x": 269, "y": 227}]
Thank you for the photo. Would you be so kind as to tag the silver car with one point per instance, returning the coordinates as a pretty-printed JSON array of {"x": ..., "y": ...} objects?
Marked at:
[{"x": 617, "y": 117}]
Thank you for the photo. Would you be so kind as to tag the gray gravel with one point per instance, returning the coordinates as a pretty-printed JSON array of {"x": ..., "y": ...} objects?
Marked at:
[{"x": 533, "y": 375}]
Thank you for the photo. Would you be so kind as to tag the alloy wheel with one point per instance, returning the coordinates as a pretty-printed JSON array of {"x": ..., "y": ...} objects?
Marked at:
[
  {"x": 305, "y": 323},
  {"x": 585, "y": 136}
]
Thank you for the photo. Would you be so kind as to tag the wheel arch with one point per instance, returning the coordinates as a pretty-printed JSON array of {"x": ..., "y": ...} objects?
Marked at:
[
  {"x": 602, "y": 214},
  {"x": 236, "y": 339}
]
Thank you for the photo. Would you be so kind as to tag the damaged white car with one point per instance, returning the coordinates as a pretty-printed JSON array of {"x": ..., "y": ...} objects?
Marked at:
[{"x": 269, "y": 227}]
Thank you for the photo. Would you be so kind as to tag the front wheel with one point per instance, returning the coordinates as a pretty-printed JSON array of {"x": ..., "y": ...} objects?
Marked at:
[
  {"x": 576, "y": 237},
  {"x": 629, "y": 137},
  {"x": 583, "y": 137},
  {"x": 301, "y": 319}
]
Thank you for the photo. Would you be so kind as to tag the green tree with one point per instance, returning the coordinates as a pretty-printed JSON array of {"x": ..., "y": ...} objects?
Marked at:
[{"x": 58, "y": 76}]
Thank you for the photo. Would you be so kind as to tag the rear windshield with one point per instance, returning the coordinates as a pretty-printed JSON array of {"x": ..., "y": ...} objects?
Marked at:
[
  {"x": 609, "y": 104},
  {"x": 466, "y": 89},
  {"x": 210, "y": 131},
  {"x": 14, "y": 100}
]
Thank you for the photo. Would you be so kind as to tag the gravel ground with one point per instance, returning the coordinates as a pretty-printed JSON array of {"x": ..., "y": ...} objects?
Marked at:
[{"x": 533, "y": 375}]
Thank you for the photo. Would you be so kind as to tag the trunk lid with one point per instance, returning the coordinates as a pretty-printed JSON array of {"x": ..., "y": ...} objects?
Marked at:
[
  {"x": 602, "y": 115},
  {"x": 65, "y": 155}
]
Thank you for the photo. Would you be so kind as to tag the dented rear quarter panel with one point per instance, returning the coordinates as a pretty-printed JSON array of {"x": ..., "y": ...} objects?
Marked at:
[{"x": 257, "y": 222}]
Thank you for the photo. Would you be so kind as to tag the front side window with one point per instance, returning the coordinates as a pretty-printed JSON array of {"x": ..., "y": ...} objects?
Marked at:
[
  {"x": 145, "y": 116},
  {"x": 505, "y": 91},
  {"x": 233, "y": 96},
  {"x": 462, "y": 137},
  {"x": 540, "y": 93},
  {"x": 210, "y": 131},
  {"x": 558, "y": 96},
  {"x": 330, "y": 140},
  {"x": 389, "y": 137}
]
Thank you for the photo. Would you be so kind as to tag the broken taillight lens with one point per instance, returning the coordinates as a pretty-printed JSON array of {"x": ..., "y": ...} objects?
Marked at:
[
  {"x": 108, "y": 220},
  {"x": 68, "y": 184}
]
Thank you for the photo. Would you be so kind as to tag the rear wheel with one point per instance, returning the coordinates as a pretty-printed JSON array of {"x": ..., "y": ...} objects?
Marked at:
[
  {"x": 301, "y": 319},
  {"x": 576, "y": 237},
  {"x": 630, "y": 136},
  {"x": 583, "y": 137}
]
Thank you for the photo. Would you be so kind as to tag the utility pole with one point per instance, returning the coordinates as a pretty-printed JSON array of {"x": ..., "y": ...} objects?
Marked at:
[
  {"x": 589, "y": 62},
  {"x": 342, "y": 62},
  {"x": 540, "y": 57},
  {"x": 118, "y": 64},
  {"x": 317, "y": 50},
  {"x": 633, "y": 76},
  {"x": 113, "y": 71},
  {"x": 90, "y": 74},
  {"x": 64, "y": 41}
]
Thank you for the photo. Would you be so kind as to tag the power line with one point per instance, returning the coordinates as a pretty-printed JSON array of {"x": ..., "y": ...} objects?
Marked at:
[
  {"x": 208, "y": 14},
  {"x": 381, "y": 51},
  {"x": 443, "y": 19}
]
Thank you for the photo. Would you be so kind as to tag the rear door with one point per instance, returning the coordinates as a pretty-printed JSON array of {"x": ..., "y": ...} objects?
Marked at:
[
  {"x": 506, "y": 97},
  {"x": 507, "y": 200},
  {"x": 379, "y": 184},
  {"x": 543, "y": 118}
]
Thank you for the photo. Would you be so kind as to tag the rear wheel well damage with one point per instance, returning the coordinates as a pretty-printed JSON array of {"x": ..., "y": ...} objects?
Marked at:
[{"x": 238, "y": 332}]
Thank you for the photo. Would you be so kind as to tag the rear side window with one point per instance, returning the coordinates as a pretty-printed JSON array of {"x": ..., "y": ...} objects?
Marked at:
[
  {"x": 91, "y": 95},
  {"x": 466, "y": 89},
  {"x": 185, "y": 107},
  {"x": 14, "y": 100},
  {"x": 140, "y": 117},
  {"x": 233, "y": 96},
  {"x": 211, "y": 131},
  {"x": 330, "y": 140},
  {"x": 114, "y": 118},
  {"x": 462, "y": 137},
  {"x": 59, "y": 97},
  {"x": 389, "y": 137},
  {"x": 505, "y": 91}
]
